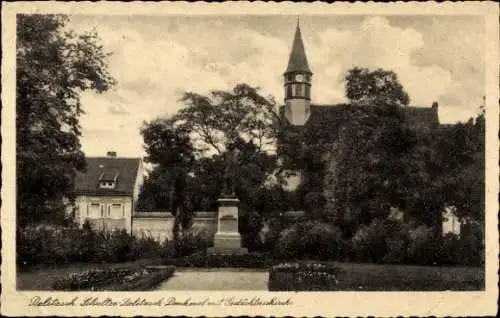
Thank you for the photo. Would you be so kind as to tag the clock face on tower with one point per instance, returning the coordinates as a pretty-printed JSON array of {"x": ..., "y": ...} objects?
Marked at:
[{"x": 299, "y": 77}]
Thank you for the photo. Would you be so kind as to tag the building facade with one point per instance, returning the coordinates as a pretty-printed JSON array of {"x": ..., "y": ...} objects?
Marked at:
[{"x": 106, "y": 193}]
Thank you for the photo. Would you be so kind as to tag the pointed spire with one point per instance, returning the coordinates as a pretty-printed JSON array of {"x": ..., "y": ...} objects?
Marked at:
[{"x": 298, "y": 58}]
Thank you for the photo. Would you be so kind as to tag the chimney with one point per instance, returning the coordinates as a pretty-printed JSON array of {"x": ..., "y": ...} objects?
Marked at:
[
  {"x": 111, "y": 154},
  {"x": 435, "y": 105}
]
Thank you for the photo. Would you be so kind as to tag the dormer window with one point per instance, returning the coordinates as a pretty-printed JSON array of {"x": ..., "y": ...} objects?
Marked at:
[{"x": 107, "y": 180}]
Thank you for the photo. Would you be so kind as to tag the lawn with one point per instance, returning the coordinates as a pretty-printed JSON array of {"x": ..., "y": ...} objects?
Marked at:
[
  {"x": 382, "y": 277},
  {"x": 360, "y": 277},
  {"x": 44, "y": 278}
]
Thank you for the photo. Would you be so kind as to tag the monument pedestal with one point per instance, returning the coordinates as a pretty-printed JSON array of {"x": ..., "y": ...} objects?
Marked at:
[{"x": 227, "y": 239}]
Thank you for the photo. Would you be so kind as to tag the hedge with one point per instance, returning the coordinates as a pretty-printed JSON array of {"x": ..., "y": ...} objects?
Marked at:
[
  {"x": 306, "y": 276},
  {"x": 203, "y": 260},
  {"x": 48, "y": 245}
]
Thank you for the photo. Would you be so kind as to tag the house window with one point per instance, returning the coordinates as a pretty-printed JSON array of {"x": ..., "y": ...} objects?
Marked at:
[
  {"x": 102, "y": 210},
  {"x": 115, "y": 209},
  {"x": 109, "y": 210},
  {"x": 123, "y": 211},
  {"x": 94, "y": 210},
  {"x": 77, "y": 212},
  {"x": 107, "y": 179}
]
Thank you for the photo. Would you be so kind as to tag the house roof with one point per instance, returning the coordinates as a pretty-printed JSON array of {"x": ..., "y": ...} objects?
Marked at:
[
  {"x": 103, "y": 168},
  {"x": 298, "y": 59}
]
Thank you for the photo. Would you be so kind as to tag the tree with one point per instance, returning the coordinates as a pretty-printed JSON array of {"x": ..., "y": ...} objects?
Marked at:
[
  {"x": 241, "y": 117},
  {"x": 366, "y": 87},
  {"x": 53, "y": 67},
  {"x": 171, "y": 149},
  {"x": 222, "y": 117},
  {"x": 365, "y": 171}
]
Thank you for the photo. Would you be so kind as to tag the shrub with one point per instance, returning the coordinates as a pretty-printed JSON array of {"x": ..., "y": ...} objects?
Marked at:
[
  {"x": 423, "y": 248},
  {"x": 304, "y": 277},
  {"x": 382, "y": 241},
  {"x": 202, "y": 260},
  {"x": 195, "y": 239},
  {"x": 471, "y": 245},
  {"x": 309, "y": 240},
  {"x": 369, "y": 242},
  {"x": 250, "y": 226},
  {"x": 55, "y": 245},
  {"x": 450, "y": 249},
  {"x": 314, "y": 205}
]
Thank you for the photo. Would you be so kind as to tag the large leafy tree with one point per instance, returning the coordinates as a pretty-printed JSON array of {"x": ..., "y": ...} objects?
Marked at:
[
  {"x": 54, "y": 66},
  {"x": 241, "y": 117},
  {"x": 371, "y": 87},
  {"x": 224, "y": 117},
  {"x": 365, "y": 174}
]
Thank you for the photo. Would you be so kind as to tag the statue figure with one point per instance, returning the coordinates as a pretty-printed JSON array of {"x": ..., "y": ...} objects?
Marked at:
[{"x": 231, "y": 161}]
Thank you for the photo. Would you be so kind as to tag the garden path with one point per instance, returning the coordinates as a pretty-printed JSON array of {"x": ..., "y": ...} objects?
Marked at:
[{"x": 217, "y": 279}]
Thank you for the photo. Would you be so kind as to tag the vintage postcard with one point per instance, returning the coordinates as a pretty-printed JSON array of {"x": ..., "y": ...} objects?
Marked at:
[{"x": 271, "y": 159}]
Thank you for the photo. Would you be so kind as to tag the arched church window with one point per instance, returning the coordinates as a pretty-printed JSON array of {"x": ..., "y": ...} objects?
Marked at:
[{"x": 308, "y": 91}]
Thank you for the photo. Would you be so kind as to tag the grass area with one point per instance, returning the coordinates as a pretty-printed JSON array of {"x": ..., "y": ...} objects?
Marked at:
[
  {"x": 382, "y": 277},
  {"x": 44, "y": 278},
  {"x": 410, "y": 277}
]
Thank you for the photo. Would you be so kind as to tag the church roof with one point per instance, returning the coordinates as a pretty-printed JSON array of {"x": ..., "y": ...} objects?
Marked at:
[
  {"x": 99, "y": 168},
  {"x": 298, "y": 58},
  {"x": 334, "y": 115}
]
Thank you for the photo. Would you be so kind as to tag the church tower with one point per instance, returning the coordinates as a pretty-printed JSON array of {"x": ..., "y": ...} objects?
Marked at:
[{"x": 297, "y": 78}]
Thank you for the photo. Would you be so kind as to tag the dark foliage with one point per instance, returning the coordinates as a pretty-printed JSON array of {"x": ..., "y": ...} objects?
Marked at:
[
  {"x": 203, "y": 260},
  {"x": 53, "y": 68}
]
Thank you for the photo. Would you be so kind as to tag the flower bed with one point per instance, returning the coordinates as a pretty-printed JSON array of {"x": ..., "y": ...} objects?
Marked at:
[
  {"x": 306, "y": 276},
  {"x": 202, "y": 260},
  {"x": 145, "y": 280},
  {"x": 114, "y": 279},
  {"x": 92, "y": 279}
]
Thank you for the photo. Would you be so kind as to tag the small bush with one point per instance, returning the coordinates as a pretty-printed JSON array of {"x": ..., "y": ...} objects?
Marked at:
[
  {"x": 369, "y": 242},
  {"x": 196, "y": 239},
  {"x": 309, "y": 240},
  {"x": 423, "y": 248}
]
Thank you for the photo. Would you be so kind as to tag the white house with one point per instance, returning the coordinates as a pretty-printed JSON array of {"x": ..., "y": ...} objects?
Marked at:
[{"x": 106, "y": 193}]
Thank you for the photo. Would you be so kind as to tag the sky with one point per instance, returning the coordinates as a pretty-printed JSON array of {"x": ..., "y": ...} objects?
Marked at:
[{"x": 157, "y": 58}]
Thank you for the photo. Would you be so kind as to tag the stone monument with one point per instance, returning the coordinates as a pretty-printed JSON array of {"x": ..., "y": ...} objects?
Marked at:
[{"x": 227, "y": 239}]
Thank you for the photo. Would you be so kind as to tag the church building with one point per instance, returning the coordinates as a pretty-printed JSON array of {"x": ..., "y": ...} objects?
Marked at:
[{"x": 304, "y": 117}]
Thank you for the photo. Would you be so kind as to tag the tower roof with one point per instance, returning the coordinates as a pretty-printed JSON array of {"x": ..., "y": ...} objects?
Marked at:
[{"x": 298, "y": 58}]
